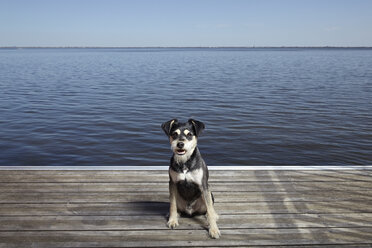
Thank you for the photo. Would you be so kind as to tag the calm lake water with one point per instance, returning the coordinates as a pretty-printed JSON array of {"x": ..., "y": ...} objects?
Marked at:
[{"x": 104, "y": 107}]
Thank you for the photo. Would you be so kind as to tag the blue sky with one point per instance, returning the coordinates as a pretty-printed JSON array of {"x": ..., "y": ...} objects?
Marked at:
[{"x": 186, "y": 23}]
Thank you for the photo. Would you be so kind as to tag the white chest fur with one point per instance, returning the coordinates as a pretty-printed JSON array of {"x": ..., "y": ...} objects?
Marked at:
[{"x": 194, "y": 176}]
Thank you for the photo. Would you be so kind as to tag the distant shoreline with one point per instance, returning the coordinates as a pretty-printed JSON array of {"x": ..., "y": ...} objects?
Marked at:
[{"x": 158, "y": 47}]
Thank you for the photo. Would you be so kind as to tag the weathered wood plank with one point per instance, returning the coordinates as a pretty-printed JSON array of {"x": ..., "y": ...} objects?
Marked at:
[
  {"x": 118, "y": 197},
  {"x": 161, "y": 208},
  {"x": 157, "y": 222},
  {"x": 163, "y": 186},
  {"x": 172, "y": 238},
  {"x": 153, "y": 176}
]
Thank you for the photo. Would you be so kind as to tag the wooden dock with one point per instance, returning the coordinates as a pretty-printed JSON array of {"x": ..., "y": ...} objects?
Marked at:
[{"x": 120, "y": 208}]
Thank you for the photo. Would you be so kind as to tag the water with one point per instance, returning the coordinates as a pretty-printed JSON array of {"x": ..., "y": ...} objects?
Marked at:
[{"x": 104, "y": 107}]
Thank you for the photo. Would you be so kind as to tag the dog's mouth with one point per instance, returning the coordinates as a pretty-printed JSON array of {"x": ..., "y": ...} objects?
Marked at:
[{"x": 180, "y": 151}]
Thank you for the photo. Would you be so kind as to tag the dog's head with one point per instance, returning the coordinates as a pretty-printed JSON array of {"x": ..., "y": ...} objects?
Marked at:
[{"x": 183, "y": 137}]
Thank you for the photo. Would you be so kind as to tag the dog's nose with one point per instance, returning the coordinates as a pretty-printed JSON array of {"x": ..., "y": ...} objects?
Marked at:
[{"x": 180, "y": 145}]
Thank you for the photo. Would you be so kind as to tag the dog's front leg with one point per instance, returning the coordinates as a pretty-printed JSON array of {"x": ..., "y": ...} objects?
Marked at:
[
  {"x": 173, "y": 215},
  {"x": 212, "y": 216}
]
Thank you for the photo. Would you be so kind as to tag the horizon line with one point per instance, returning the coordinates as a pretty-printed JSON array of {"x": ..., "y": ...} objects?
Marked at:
[{"x": 175, "y": 47}]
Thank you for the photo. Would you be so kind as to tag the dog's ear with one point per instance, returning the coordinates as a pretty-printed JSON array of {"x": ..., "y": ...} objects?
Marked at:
[
  {"x": 198, "y": 126},
  {"x": 167, "y": 126}
]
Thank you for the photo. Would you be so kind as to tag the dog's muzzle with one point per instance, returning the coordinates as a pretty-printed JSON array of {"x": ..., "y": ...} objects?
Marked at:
[{"x": 180, "y": 150}]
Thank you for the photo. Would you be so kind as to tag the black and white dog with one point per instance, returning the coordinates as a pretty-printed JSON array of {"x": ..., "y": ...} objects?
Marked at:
[{"x": 188, "y": 173}]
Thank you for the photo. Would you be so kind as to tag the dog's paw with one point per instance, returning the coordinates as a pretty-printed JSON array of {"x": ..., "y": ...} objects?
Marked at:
[
  {"x": 214, "y": 232},
  {"x": 172, "y": 223}
]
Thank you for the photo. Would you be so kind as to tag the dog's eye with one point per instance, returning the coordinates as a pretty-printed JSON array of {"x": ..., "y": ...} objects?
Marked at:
[
  {"x": 189, "y": 135},
  {"x": 174, "y": 135}
]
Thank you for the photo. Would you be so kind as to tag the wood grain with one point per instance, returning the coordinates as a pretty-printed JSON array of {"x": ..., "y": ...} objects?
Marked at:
[{"x": 129, "y": 208}]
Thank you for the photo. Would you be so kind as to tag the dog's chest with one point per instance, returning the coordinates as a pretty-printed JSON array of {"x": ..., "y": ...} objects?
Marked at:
[{"x": 193, "y": 176}]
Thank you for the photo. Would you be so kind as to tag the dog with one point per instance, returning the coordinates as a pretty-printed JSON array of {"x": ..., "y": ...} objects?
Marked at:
[{"x": 188, "y": 175}]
